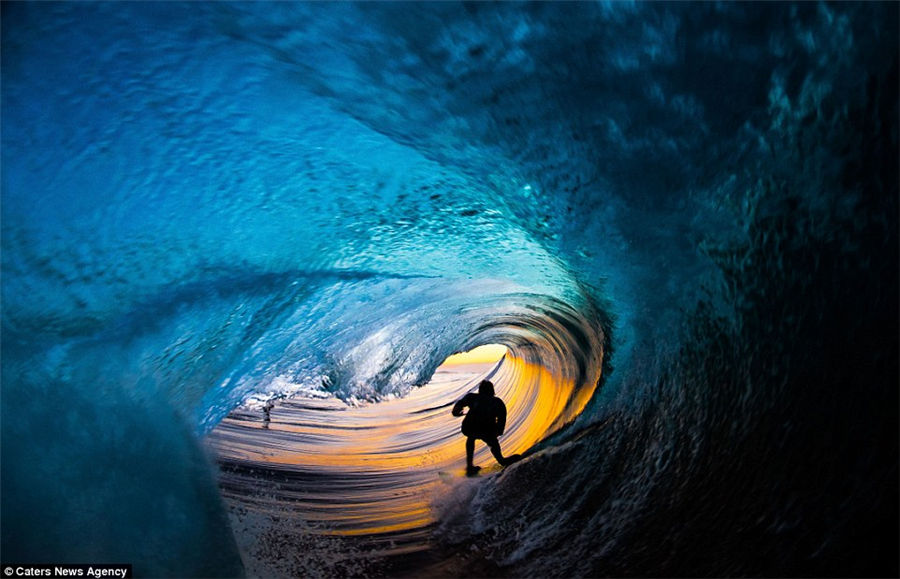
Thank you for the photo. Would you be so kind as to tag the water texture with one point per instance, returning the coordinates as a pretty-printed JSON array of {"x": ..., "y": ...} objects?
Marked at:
[{"x": 680, "y": 219}]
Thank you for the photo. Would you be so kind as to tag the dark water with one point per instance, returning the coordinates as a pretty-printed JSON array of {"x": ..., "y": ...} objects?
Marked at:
[{"x": 680, "y": 219}]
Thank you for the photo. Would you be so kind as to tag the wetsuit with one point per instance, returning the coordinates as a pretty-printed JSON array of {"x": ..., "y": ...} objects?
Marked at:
[{"x": 485, "y": 420}]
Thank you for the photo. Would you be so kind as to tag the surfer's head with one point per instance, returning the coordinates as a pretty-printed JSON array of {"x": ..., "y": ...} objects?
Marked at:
[{"x": 486, "y": 388}]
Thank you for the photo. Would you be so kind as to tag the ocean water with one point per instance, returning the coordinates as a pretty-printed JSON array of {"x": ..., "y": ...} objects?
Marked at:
[{"x": 679, "y": 219}]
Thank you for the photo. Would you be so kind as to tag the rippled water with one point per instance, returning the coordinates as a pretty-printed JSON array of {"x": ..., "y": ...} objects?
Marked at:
[
  {"x": 401, "y": 444},
  {"x": 383, "y": 472}
]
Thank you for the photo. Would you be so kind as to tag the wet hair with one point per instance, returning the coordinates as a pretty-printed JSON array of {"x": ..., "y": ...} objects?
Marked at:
[{"x": 486, "y": 387}]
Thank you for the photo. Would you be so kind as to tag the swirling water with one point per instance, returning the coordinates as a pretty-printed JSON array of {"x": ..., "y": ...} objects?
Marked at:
[{"x": 681, "y": 217}]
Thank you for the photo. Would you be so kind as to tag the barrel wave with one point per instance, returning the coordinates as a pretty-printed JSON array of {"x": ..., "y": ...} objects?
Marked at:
[{"x": 240, "y": 239}]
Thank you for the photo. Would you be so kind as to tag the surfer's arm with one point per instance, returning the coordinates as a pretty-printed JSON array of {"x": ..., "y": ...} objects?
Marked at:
[{"x": 458, "y": 407}]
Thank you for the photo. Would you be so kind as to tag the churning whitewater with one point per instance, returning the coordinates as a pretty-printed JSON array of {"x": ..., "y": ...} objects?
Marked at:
[{"x": 240, "y": 239}]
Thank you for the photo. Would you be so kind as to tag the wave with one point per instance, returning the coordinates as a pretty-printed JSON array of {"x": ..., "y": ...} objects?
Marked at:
[{"x": 672, "y": 217}]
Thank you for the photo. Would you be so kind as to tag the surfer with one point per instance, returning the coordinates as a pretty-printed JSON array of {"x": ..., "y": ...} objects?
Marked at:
[
  {"x": 486, "y": 420},
  {"x": 267, "y": 410}
]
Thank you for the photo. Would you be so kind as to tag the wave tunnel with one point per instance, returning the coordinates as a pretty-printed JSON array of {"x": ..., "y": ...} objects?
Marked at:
[{"x": 247, "y": 247}]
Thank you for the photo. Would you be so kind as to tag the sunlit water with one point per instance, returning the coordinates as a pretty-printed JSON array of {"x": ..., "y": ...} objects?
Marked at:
[{"x": 382, "y": 471}]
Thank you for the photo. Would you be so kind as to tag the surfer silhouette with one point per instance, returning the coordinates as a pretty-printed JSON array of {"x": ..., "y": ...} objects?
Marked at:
[{"x": 485, "y": 420}]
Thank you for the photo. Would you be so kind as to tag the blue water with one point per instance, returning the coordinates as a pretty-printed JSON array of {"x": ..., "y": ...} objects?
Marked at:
[{"x": 205, "y": 204}]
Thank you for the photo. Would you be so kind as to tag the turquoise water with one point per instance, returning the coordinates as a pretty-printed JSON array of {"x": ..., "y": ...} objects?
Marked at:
[{"x": 207, "y": 205}]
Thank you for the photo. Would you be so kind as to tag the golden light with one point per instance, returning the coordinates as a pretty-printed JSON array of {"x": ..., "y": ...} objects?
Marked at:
[
  {"x": 388, "y": 461},
  {"x": 489, "y": 353}
]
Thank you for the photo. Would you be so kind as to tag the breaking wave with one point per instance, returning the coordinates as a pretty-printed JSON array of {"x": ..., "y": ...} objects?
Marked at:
[{"x": 680, "y": 220}]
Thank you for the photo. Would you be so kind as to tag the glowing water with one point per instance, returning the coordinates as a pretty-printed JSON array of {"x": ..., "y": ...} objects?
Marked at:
[
  {"x": 391, "y": 451},
  {"x": 485, "y": 354},
  {"x": 381, "y": 470}
]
